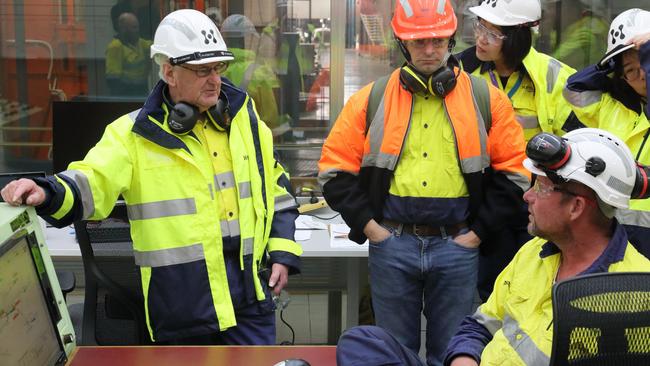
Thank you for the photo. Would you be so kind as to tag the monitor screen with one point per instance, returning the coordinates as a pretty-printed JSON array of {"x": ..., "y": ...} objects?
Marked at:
[
  {"x": 28, "y": 334},
  {"x": 78, "y": 125}
]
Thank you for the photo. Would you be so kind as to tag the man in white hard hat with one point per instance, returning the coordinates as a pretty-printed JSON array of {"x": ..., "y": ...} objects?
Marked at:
[
  {"x": 212, "y": 219},
  {"x": 582, "y": 179}
]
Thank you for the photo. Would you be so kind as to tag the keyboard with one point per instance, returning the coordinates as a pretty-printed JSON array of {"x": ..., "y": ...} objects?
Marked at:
[{"x": 109, "y": 231}]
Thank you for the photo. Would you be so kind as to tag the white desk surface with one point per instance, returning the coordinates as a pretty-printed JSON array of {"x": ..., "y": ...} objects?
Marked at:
[{"x": 62, "y": 243}]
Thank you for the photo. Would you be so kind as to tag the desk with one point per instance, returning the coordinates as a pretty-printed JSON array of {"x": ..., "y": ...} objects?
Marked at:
[
  {"x": 199, "y": 356},
  {"x": 317, "y": 253}
]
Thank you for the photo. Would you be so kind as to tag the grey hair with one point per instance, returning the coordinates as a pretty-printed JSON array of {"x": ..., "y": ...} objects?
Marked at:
[{"x": 160, "y": 60}]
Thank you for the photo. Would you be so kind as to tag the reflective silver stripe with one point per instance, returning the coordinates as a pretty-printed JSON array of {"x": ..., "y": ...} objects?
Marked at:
[
  {"x": 483, "y": 140},
  {"x": 153, "y": 210},
  {"x": 224, "y": 181},
  {"x": 248, "y": 246},
  {"x": 229, "y": 228},
  {"x": 527, "y": 122},
  {"x": 441, "y": 6},
  {"x": 472, "y": 165},
  {"x": 490, "y": 323},
  {"x": 633, "y": 217},
  {"x": 248, "y": 76},
  {"x": 168, "y": 257},
  {"x": 552, "y": 73},
  {"x": 520, "y": 180},
  {"x": 380, "y": 160},
  {"x": 211, "y": 191},
  {"x": 244, "y": 190},
  {"x": 87, "y": 201},
  {"x": 408, "y": 11},
  {"x": 325, "y": 176},
  {"x": 523, "y": 344},
  {"x": 134, "y": 114},
  {"x": 582, "y": 98},
  {"x": 376, "y": 129},
  {"x": 283, "y": 202}
]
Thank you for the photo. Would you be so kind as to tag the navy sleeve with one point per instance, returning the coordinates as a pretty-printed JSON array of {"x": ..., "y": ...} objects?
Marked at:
[{"x": 470, "y": 340}]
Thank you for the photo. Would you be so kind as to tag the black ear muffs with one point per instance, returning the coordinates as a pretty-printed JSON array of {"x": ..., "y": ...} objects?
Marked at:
[
  {"x": 219, "y": 114},
  {"x": 440, "y": 83},
  {"x": 183, "y": 116},
  {"x": 640, "y": 190}
]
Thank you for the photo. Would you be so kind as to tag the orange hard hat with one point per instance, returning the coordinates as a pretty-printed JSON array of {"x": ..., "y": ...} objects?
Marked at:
[{"x": 417, "y": 19}]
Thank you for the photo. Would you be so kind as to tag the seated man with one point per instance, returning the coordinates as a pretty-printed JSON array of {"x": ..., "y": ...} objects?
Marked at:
[
  {"x": 581, "y": 181},
  {"x": 572, "y": 207}
]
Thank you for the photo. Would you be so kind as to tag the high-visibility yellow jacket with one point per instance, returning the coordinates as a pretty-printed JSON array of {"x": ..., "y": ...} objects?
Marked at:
[
  {"x": 514, "y": 327},
  {"x": 174, "y": 216},
  {"x": 538, "y": 102}
]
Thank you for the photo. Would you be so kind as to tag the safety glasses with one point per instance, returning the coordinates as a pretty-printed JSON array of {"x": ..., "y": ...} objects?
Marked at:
[
  {"x": 491, "y": 36},
  {"x": 219, "y": 68}
]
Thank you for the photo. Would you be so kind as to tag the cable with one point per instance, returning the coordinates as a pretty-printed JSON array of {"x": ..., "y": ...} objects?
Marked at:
[
  {"x": 293, "y": 333},
  {"x": 322, "y": 218}
]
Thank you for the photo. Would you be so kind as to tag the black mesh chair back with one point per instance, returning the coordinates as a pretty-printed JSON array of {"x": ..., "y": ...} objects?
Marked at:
[
  {"x": 113, "y": 311},
  {"x": 602, "y": 319}
]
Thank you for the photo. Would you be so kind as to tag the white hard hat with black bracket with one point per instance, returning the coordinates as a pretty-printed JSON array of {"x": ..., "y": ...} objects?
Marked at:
[
  {"x": 626, "y": 25},
  {"x": 593, "y": 157},
  {"x": 189, "y": 36}
]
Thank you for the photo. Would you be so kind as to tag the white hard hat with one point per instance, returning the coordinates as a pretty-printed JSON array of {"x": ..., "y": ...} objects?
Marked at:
[
  {"x": 508, "y": 12},
  {"x": 189, "y": 36},
  {"x": 237, "y": 25},
  {"x": 626, "y": 25},
  {"x": 594, "y": 157}
]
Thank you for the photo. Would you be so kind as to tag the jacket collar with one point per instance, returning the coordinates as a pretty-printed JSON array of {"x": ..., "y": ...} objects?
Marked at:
[
  {"x": 149, "y": 123},
  {"x": 613, "y": 253}
]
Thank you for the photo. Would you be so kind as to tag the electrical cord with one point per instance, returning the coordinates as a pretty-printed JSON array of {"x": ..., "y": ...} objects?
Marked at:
[
  {"x": 293, "y": 333},
  {"x": 323, "y": 218}
]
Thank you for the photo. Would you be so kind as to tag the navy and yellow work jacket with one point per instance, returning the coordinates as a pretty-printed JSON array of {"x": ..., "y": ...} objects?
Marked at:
[
  {"x": 514, "y": 326},
  {"x": 174, "y": 216}
]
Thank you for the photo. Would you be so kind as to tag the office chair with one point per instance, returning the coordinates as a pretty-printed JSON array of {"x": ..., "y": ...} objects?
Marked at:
[
  {"x": 602, "y": 319},
  {"x": 113, "y": 311}
]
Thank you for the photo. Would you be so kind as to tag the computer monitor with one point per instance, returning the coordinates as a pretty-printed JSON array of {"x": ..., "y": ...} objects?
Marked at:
[
  {"x": 78, "y": 125},
  {"x": 35, "y": 327}
]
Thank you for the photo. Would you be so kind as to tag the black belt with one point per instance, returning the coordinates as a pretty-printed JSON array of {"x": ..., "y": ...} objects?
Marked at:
[{"x": 426, "y": 230}]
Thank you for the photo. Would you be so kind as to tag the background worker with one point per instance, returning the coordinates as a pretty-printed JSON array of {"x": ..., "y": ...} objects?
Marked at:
[
  {"x": 533, "y": 81},
  {"x": 571, "y": 206},
  {"x": 613, "y": 95},
  {"x": 426, "y": 181},
  {"x": 127, "y": 59},
  {"x": 209, "y": 206}
]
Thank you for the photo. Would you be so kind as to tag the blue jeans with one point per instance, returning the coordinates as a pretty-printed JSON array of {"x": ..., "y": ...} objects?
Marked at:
[{"x": 407, "y": 271}]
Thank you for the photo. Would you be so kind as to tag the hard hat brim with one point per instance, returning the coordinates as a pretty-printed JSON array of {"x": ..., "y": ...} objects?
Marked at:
[
  {"x": 210, "y": 60},
  {"x": 617, "y": 50},
  {"x": 528, "y": 164},
  {"x": 480, "y": 12}
]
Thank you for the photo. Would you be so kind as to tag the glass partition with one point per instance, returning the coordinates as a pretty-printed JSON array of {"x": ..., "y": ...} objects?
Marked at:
[{"x": 300, "y": 60}]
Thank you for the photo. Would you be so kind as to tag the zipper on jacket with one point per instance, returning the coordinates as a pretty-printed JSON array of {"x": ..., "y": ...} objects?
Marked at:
[{"x": 645, "y": 139}]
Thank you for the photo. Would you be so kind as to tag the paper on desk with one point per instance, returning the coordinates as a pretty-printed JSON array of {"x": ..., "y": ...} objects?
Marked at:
[
  {"x": 339, "y": 237},
  {"x": 305, "y": 222},
  {"x": 302, "y": 235}
]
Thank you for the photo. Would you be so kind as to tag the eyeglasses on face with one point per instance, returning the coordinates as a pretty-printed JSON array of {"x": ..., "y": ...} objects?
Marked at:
[
  {"x": 632, "y": 74},
  {"x": 491, "y": 36},
  {"x": 422, "y": 43},
  {"x": 219, "y": 68},
  {"x": 544, "y": 190}
]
